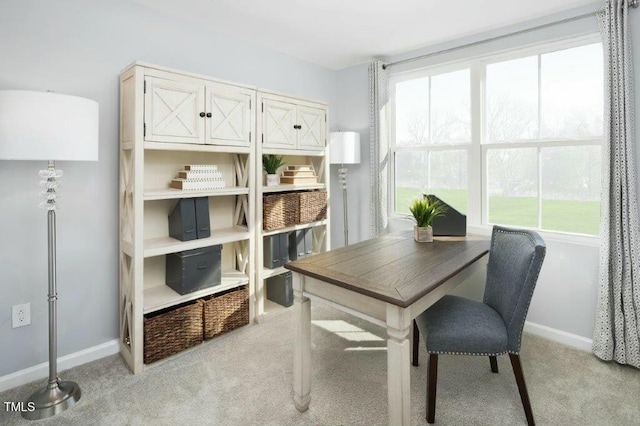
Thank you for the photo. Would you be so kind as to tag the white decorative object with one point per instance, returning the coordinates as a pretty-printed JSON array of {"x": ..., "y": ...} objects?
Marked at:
[
  {"x": 273, "y": 180},
  {"x": 423, "y": 234},
  {"x": 198, "y": 177},
  {"x": 49, "y": 126},
  {"x": 344, "y": 149}
]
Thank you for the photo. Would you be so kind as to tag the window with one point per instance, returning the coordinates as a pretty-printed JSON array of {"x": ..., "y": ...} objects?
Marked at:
[
  {"x": 520, "y": 135},
  {"x": 433, "y": 138}
]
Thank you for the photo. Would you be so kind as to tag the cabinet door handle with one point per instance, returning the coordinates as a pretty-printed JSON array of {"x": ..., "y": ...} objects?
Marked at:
[
  {"x": 297, "y": 126},
  {"x": 209, "y": 115},
  {"x": 202, "y": 114}
]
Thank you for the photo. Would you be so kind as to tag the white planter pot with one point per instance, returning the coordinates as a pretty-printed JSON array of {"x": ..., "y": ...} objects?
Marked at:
[
  {"x": 273, "y": 180},
  {"x": 423, "y": 234}
]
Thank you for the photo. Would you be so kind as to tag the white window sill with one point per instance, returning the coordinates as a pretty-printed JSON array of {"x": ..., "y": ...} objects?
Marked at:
[{"x": 398, "y": 221}]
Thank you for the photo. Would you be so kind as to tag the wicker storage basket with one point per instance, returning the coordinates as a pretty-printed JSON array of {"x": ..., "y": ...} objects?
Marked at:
[
  {"x": 226, "y": 311},
  {"x": 280, "y": 210},
  {"x": 313, "y": 206},
  {"x": 173, "y": 330}
]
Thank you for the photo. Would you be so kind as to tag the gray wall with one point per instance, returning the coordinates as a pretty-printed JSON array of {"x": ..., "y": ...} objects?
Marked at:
[{"x": 79, "y": 47}]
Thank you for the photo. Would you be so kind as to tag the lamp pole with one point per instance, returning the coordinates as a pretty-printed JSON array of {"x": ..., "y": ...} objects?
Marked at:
[
  {"x": 342, "y": 176},
  {"x": 58, "y": 395}
]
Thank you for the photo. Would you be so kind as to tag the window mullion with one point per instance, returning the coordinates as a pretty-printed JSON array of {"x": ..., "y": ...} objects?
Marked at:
[
  {"x": 476, "y": 193},
  {"x": 539, "y": 96},
  {"x": 539, "y": 161}
]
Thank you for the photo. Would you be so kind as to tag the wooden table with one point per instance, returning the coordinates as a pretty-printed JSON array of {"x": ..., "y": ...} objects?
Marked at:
[{"x": 388, "y": 281}]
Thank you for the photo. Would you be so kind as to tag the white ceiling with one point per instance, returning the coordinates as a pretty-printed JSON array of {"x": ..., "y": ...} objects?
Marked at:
[{"x": 341, "y": 33}]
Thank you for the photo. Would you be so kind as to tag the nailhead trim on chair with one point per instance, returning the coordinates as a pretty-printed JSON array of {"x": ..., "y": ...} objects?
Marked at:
[{"x": 472, "y": 353}]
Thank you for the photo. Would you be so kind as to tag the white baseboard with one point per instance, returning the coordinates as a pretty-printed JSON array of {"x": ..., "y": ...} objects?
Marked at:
[
  {"x": 64, "y": 363},
  {"x": 559, "y": 336}
]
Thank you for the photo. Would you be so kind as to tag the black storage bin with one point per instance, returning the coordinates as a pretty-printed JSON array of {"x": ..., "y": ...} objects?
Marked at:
[
  {"x": 189, "y": 219},
  {"x": 275, "y": 250},
  {"x": 300, "y": 244},
  {"x": 280, "y": 289},
  {"x": 202, "y": 217},
  {"x": 194, "y": 270},
  {"x": 182, "y": 220}
]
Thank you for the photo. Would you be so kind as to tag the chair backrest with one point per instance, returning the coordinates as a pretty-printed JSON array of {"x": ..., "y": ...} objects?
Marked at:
[{"x": 515, "y": 259}]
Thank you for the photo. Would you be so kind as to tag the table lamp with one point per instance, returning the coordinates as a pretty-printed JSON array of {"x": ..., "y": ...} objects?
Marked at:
[
  {"x": 344, "y": 149},
  {"x": 49, "y": 126}
]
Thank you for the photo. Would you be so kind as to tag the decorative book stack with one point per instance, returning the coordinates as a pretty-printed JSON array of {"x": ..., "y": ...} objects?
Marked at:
[
  {"x": 299, "y": 175},
  {"x": 198, "y": 177}
]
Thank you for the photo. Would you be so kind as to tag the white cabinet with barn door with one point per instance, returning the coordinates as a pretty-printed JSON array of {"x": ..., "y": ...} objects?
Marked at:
[
  {"x": 186, "y": 110},
  {"x": 291, "y": 123},
  {"x": 187, "y": 267}
]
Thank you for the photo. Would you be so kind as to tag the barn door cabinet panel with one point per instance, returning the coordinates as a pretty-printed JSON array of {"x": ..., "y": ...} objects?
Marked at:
[
  {"x": 173, "y": 111},
  {"x": 292, "y": 123},
  {"x": 180, "y": 109}
]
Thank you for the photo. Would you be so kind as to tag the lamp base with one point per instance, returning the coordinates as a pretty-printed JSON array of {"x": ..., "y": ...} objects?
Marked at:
[{"x": 52, "y": 400}]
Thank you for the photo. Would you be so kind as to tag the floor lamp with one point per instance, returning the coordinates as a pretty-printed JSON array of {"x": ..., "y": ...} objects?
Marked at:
[
  {"x": 344, "y": 148},
  {"x": 49, "y": 126}
]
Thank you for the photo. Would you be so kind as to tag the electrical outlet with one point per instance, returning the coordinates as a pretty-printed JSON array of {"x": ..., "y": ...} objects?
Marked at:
[{"x": 20, "y": 315}]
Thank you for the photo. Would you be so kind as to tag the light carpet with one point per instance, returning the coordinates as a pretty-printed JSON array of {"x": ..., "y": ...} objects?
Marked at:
[{"x": 245, "y": 378}]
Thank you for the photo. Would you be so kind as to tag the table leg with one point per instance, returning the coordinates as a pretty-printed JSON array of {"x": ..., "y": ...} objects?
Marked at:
[
  {"x": 302, "y": 346},
  {"x": 398, "y": 366}
]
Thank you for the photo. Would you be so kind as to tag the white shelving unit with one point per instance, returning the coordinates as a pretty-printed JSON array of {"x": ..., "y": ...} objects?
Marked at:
[
  {"x": 170, "y": 119},
  {"x": 297, "y": 129}
]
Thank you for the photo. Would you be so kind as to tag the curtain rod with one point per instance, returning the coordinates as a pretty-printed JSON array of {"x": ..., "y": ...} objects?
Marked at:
[{"x": 632, "y": 3}]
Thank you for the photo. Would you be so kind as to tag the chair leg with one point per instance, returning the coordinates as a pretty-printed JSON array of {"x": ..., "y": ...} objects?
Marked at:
[
  {"x": 416, "y": 343},
  {"x": 432, "y": 380},
  {"x": 494, "y": 364},
  {"x": 522, "y": 387}
]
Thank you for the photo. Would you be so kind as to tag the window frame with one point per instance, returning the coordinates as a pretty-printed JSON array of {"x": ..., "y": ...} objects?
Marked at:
[{"x": 477, "y": 201}]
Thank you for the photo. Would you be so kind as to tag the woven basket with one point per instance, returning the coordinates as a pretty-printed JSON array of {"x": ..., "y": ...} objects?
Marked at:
[
  {"x": 168, "y": 332},
  {"x": 313, "y": 206},
  {"x": 280, "y": 210},
  {"x": 226, "y": 311}
]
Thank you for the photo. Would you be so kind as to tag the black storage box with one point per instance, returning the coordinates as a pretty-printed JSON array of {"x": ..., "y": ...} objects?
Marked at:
[
  {"x": 182, "y": 220},
  {"x": 300, "y": 244},
  {"x": 202, "y": 217},
  {"x": 280, "y": 289},
  {"x": 189, "y": 219},
  {"x": 275, "y": 250},
  {"x": 194, "y": 270},
  {"x": 453, "y": 223}
]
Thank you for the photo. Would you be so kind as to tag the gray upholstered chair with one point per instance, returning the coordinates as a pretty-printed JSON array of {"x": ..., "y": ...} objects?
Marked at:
[{"x": 458, "y": 326}]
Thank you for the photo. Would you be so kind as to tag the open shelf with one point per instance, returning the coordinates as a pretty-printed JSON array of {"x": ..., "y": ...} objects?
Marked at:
[
  {"x": 171, "y": 193},
  {"x": 296, "y": 152},
  {"x": 293, "y": 187},
  {"x": 163, "y": 296},
  {"x": 166, "y": 245},
  {"x": 165, "y": 146},
  {"x": 268, "y": 273},
  {"x": 295, "y": 227}
]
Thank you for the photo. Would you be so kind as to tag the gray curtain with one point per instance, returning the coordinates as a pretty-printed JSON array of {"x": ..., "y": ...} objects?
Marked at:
[
  {"x": 617, "y": 336},
  {"x": 378, "y": 147}
]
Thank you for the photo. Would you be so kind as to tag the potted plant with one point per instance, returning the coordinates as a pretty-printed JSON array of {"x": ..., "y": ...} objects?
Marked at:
[
  {"x": 271, "y": 164},
  {"x": 424, "y": 210}
]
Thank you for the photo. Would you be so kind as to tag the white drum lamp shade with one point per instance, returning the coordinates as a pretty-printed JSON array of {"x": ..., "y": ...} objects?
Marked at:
[
  {"x": 344, "y": 147},
  {"x": 47, "y": 126}
]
